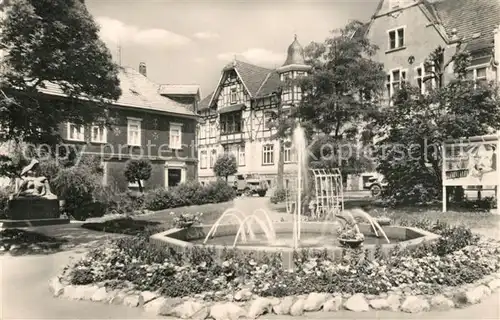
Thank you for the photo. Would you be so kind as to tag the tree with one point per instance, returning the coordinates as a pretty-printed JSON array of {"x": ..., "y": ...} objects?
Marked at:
[
  {"x": 225, "y": 165},
  {"x": 137, "y": 171},
  {"x": 344, "y": 85},
  {"x": 415, "y": 126},
  {"x": 57, "y": 42}
]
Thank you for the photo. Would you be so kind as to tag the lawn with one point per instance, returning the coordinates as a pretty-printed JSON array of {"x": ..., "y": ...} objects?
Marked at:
[
  {"x": 473, "y": 220},
  {"x": 158, "y": 221}
]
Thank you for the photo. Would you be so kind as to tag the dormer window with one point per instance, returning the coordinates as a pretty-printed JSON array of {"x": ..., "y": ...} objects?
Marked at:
[
  {"x": 396, "y": 38},
  {"x": 233, "y": 96}
]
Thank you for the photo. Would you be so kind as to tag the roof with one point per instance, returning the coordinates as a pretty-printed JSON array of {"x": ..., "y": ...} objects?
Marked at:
[
  {"x": 259, "y": 81},
  {"x": 295, "y": 53},
  {"x": 470, "y": 18},
  {"x": 179, "y": 89},
  {"x": 137, "y": 92}
]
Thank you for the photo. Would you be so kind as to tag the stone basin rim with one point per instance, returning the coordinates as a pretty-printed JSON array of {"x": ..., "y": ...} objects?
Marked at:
[{"x": 175, "y": 236}]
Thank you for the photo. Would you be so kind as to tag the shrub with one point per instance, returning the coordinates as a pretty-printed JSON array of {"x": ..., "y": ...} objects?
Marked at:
[
  {"x": 278, "y": 196},
  {"x": 159, "y": 199},
  {"x": 137, "y": 170},
  {"x": 4, "y": 201},
  {"x": 218, "y": 191},
  {"x": 76, "y": 185},
  {"x": 190, "y": 193}
]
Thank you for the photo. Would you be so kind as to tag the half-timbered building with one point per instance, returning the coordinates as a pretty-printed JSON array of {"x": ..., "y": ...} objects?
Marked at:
[{"x": 236, "y": 116}]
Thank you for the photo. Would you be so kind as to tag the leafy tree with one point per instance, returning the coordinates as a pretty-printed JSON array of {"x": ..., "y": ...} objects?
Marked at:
[
  {"x": 56, "y": 42},
  {"x": 225, "y": 165},
  {"x": 138, "y": 170},
  {"x": 344, "y": 85},
  {"x": 415, "y": 126}
]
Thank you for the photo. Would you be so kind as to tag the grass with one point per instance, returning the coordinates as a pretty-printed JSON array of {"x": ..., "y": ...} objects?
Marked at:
[
  {"x": 471, "y": 219},
  {"x": 158, "y": 221},
  {"x": 20, "y": 242},
  {"x": 128, "y": 226}
]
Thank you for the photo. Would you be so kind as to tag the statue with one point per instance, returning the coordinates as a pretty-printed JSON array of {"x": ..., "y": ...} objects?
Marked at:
[{"x": 30, "y": 185}]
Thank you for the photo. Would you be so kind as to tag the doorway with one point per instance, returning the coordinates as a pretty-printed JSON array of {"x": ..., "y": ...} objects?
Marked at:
[{"x": 174, "y": 177}]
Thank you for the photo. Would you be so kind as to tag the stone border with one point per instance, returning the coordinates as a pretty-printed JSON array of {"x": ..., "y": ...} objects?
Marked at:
[{"x": 245, "y": 304}]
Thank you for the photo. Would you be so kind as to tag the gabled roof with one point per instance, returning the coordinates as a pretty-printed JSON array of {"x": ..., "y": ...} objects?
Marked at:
[
  {"x": 473, "y": 20},
  {"x": 137, "y": 92},
  {"x": 252, "y": 76},
  {"x": 179, "y": 89},
  {"x": 258, "y": 81},
  {"x": 470, "y": 18}
]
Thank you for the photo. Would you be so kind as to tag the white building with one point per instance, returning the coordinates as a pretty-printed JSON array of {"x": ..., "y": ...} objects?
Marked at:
[{"x": 236, "y": 114}]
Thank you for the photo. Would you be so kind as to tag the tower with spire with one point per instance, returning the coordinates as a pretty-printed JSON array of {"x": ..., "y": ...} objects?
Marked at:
[{"x": 294, "y": 67}]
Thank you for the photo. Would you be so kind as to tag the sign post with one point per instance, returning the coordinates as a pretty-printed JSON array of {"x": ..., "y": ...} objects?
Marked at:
[{"x": 471, "y": 162}]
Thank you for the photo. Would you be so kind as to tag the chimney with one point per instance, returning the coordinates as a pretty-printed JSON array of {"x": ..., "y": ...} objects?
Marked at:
[{"x": 142, "y": 69}]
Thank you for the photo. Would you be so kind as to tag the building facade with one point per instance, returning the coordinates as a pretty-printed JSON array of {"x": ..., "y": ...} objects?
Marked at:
[
  {"x": 236, "y": 116},
  {"x": 407, "y": 31},
  {"x": 146, "y": 124}
]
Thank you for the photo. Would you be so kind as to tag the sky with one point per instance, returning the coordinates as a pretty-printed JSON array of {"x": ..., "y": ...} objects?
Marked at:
[{"x": 190, "y": 41}]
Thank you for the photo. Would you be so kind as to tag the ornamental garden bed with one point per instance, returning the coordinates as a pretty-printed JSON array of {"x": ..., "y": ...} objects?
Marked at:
[{"x": 456, "y": 270}]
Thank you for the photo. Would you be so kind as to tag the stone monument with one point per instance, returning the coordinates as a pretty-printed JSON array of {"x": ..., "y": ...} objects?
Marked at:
[{"x": 33, "y": 199}]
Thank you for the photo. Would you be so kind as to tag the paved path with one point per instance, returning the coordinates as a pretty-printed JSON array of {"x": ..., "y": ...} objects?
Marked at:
[{"x": 24, "y": 291}]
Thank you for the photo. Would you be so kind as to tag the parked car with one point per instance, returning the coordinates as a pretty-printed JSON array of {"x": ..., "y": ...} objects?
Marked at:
[
  {"x": 376, "y": 185},
  {"x": 250, "y": 185}
]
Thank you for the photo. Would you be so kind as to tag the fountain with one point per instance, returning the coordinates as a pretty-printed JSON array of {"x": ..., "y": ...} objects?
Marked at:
[{"x": 287, "y": 237}]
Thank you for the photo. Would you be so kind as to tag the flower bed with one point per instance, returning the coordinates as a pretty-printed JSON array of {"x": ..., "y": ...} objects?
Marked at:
[{"x": 442, "y": 275}]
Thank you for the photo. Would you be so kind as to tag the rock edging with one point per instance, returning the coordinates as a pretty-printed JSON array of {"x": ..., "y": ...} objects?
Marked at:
[{"x": 244, "y": 304}]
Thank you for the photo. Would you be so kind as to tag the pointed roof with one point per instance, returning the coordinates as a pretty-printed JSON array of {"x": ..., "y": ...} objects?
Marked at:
[
  {"x": 295, "y": 54},
  {"x": 258, "y": 81}
]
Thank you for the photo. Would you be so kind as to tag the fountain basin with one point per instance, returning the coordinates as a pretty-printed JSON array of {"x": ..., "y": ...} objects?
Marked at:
[{"x": 313, "y": 237}]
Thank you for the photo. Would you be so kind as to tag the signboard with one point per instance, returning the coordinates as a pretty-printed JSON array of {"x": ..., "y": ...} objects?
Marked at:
[{"x": 471, "y": 164}]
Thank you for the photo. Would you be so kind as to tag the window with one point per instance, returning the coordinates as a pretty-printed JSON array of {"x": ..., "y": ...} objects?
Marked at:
[
  {"x": 233, "y": 96},
  {"x": 76, "y": 132},
  {"x": 241, "y": 155},
  {"x": 287, "y": 154},
  {"x": 396, "y": 38},
  {"x": 203, "y": 130},
  {"x": 175, "y": 136},
  {"x": 213, "y": 158},
  {"x": 230, "y": 122},
  {"x": 478, "y": 74},
  {"x": 268, "y": 154},
  {"x": 212, "y": 129},
  {"x": 423, "y": 80},
  {"x": 287, "y": 93},
  {"x": 98, "y": 134},
  {"x": 134, "y": 132},
  {"x": 394, "y": 81},
  {"x": 297, "y": 93},
  {"x": 203, "y": 159}
]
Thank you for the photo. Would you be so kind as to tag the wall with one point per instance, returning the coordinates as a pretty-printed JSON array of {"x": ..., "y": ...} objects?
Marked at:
[
  {"x": 154, "y": 145},
  {"x": 154, "y": 136},
  {"x": 421, "y": 38}
]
